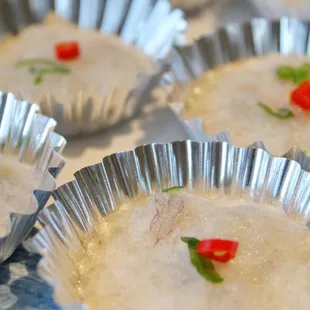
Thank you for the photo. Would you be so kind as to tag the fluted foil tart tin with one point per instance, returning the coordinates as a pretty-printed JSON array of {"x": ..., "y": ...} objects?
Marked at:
[
  {"x": 218, "y": 168},
  {"x": 151, "y": 26},
  {"x": 238, "y": 41},
  {"x": 30, "y": 137}
]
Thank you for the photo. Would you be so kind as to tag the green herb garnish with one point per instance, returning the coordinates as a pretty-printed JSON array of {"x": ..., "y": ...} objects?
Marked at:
[
  {"x": 296, "y": 75},
  {"x": 38, "y": 79},
  {"x": 39, "y": 67},
  {"x": 204, "y": 266},
  {"x": 172, "y": 189},
  {"x": 280, "y": 113}
]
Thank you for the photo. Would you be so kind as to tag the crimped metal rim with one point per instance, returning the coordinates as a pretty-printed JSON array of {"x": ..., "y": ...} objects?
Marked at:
[
  {"x": 238, "y": 41},
  {"x": 216, "y": 167},
  {"x": 151, "y": 26},
  {"x": 30, "y": 135}
]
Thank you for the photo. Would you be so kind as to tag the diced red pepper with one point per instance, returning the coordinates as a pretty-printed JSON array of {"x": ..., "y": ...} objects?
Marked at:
[
  {"x": 218, "y": 250},
  {"x": 301, "y": 96},
  {"x": 67, "y": 50}
]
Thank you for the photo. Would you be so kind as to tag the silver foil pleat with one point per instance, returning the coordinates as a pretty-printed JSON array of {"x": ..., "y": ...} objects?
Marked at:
[
  {"x": 151, "y": 26},
  {"x": 218, "y": 168},
  {"x": 238, "y": 41},
  {"x": 235, "y": 42},
  {"x": 30, "y": 137}
]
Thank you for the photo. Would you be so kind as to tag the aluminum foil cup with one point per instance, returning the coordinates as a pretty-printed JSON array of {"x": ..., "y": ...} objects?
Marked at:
[
  {"x": 218, "y": 168},
  {"x": 151, "y": 26},
  {"x": 238, "y": 41},
  {"x": 232, "y": 43},
  {"x": 29, "y": 136}
]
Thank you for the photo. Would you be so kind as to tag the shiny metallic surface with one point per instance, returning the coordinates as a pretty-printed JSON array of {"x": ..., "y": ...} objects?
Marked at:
[
  {"x": 238, "y": 41},
  {"x": 235, "y": 42},
  {"x": 218, "y": 168},
  {"x": 151, "y": 26},
  {"x": 30, "y": 136}
]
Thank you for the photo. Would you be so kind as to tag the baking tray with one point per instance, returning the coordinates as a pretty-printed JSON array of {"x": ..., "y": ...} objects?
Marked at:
[
  {"x": 30, "y": 137},
  {"x": 218, "y": 168},
  {"x": 151, "y": 26}
]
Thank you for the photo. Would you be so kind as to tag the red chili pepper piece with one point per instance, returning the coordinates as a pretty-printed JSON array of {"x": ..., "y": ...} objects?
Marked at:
[
  {"x": 218, "y": 250},
  {"x": 301, "y": 96},
  {"x": 67, "y": 50}
]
